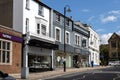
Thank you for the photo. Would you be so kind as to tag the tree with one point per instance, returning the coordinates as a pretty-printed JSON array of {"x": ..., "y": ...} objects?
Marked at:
[{"x": 104, "y": 54}]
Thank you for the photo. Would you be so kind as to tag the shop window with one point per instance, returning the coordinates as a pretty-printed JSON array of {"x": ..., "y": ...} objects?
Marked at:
[{"x": 5, "y": 51}]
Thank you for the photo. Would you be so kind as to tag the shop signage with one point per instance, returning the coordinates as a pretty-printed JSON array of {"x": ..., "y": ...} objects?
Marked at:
[{"x": 10, "y": 37}]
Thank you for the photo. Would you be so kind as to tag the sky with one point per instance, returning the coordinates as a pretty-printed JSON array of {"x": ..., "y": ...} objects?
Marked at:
[{"x": 102, "y": 15}]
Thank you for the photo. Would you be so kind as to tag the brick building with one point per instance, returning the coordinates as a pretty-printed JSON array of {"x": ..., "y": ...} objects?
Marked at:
[
  {"x": 114, "y": 47},
  {"x": 10, "y": 50}
]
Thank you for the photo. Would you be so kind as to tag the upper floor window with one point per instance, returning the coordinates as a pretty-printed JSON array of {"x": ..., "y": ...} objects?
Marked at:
[
  {"x": 5, "y": 52},
  {"x": 38, "y": 28},
  {"x": 113, "y": 44},
  {"x": 84, "y": 43},
  {"x": 57, "y": 17},
  {"x": 67, "y": 22},
  {"x": 43, "y": 29},
  {"x": 41, "y": 10},
  {"x": 27, "y": 24},
  {"x": 57, "y": 35},
  {"x": 67, "y": 40},
  {"x": 27, "y": 4},
  {"x": 77, "y": 40}
]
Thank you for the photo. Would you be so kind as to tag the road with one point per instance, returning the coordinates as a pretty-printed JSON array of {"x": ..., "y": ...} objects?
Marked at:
[{"x": 111, "y": 73}]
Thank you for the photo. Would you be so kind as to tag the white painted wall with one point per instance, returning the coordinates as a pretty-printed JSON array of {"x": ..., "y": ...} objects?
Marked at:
[
  {"x": 18, "y": 15},
  {"x": 94, "y": 48},
  {"x": 21, "y": 13}
]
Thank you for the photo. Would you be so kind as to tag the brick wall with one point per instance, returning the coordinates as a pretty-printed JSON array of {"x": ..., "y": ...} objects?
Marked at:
[{"x": 15, "y": 67}]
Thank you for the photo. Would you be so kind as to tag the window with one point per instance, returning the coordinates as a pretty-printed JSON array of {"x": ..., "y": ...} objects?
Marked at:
[
  {"x": 38, "y": 28},
  {"x": 57, "y": 34},
  {"x": 40, "y": 10},
  {"x": 57, "y": 17},
  {"x": 67, "y": 22},
  {"x": 5, "y": 52},
  {"x": 113, "y": 44},
  {"x": 83, "y": 43},
  {"x": 27, "y": 24},
  {"x": 43, "y": 29},
  {"x": 77, "y": 40},
  {"x": 67, "y": 40},
  {"x": 27, "y": 4}
]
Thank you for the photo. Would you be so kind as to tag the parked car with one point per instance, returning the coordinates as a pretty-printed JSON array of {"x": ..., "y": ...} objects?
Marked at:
[
  {"x": 5, "y": 76},
  {"x": 114, "y": 63}
]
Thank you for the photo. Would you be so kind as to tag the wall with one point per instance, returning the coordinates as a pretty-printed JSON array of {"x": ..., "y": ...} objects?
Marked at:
[{"x": 15, "y": 67}]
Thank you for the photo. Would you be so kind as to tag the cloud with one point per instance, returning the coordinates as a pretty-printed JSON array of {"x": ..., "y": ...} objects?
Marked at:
[
  {"x": 104, "y": 38},
  {"x": 108, "y": 19},
  {"x": 114, "y": 12},
  {"x": 100, "y": 30},
  {"x": 85, "y": 10},
  {"x": 91, "y": 18}
]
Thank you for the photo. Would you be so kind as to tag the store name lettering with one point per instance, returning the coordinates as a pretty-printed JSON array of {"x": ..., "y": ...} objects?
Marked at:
[{"x": 6, "y": 36}]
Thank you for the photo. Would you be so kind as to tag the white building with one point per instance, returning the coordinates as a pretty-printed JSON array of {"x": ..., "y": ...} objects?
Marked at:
[
  {"x": 94, "y": 43},
  {"x": 33, "y": 19}
]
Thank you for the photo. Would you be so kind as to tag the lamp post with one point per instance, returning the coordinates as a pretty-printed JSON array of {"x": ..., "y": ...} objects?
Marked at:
[{"x": 66, "y": 9}]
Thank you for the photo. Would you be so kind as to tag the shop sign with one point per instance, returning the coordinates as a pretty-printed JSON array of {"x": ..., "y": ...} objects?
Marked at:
[{"x": 10, "y": 37}]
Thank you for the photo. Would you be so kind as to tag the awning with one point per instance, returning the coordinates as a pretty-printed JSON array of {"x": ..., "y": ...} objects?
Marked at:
[{"x": 42, "y": 44}]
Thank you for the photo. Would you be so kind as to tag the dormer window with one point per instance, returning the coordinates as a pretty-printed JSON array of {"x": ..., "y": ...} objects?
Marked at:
[
  {"x": 67, "y": 22},
  {"x": 57, "y": 17}
]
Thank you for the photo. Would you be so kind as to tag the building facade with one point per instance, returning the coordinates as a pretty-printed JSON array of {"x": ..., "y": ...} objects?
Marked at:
[
  {"x": 33, "y": 19},
  {"x": 58, "y": 34},
  {"x": 94, "y": 43},
  {"x": 10, "y": 50},
  {"x": 81, "y": 40},
  {"x": 114, "y": 47}
]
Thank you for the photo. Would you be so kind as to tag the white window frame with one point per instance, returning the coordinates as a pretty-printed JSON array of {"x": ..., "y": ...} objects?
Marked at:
[
  {"x": 27, "y": 24},
  {"x": 66, "y": 32},
  {"x": 77, "y": 39},
  {"x": 40, "y": 29},
  {"x": 45, "y": 32},
  {"x": 28, "y": 4},
  {"x": 10, "y": 53},
  {"x": 40, "y": 10},
  {"x": 59, "y": 34}
]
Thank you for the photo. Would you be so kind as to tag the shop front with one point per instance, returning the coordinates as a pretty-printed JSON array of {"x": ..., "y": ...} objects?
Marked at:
[
  {"x": 40, "y": 56},
  {"x": 80, "y": 58},
  {"x": 10, "y": 50}
]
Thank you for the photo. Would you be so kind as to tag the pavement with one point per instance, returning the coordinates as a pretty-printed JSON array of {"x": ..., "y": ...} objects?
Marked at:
[{"x": 55, "y": 73}]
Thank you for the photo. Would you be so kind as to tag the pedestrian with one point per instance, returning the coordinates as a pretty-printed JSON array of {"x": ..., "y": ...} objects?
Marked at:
[{"x": 92, "y": 63}]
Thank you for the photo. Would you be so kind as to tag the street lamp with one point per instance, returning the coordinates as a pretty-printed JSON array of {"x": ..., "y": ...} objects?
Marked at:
[{"x": 66, "y": 9}]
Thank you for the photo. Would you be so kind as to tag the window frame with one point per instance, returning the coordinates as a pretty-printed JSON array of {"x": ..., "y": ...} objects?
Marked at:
[
  {"x": 67, "y": 39},
  {"x": 59, "y": 34},
  {"x": 28, "y": 4},
  {"x": 41, "y": 10},
  {"x": 6, "y": 50}
]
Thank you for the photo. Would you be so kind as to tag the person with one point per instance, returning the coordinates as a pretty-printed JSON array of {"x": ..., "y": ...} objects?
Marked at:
[{"x": 92, "y": 63}]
